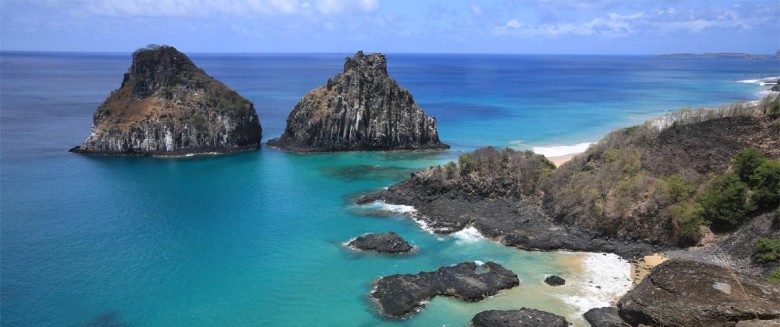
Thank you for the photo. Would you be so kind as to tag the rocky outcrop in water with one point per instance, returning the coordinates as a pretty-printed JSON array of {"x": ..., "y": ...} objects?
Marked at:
[
  {"x": 168, "y": 106},
  {"x": 382, "y": 243},
  {"x": 400, "y": 295},
  {"x": 554, "y": 281},
  {"x": 604, "y": 317},
  {"x": 524, "y": 317},
  {"x": 361, "y": 109},
  {"x": 687, "y": 293}
]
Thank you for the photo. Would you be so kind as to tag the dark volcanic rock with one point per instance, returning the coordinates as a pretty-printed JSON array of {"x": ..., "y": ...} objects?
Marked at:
[
  {"x": 554, "y": 281},
  {"x": 383, "y": 243},
  {"x": 360, "y": 109},
  {"x": 517, "y": 318},
  {"x": 400, "y": 295},
  {"x": 494, "y": 191},
  {"x": 168, "y": 106},
  {"x": 604, "y": 317},
  {"x": 687, "y": 293}
]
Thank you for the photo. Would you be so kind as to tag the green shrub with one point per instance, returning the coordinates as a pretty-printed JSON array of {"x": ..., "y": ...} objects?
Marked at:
[
  {"x": 676, "y": 189},
  {"x": 766, "y": 189},
  {"x": 688, "y": 217},
  {"x": 774, "y": 277},
  {"x": 766, "y": 250},
  {"x": 724, "y": 200},
  {"x": 746, "y": 162}
]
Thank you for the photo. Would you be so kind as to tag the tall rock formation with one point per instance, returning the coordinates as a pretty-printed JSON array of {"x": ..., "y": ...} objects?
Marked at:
[
  {"x": 168, "y": 106},
  {"x": 360, "y": 109}
]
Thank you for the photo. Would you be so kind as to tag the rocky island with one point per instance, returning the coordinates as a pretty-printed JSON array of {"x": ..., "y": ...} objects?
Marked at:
[
  {"x": 397, "y": 296},
  {"x": 167, "y": 106},
  {"x": 382, "y": 243},
  {"x": 360, "y": 109}
]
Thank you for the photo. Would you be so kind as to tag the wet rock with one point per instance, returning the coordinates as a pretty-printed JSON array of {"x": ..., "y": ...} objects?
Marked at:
[
  {"x": 168, "y": 106},
  {"x": 382, "y": 243},
  {"x": 688, "y": 293},
  {"x": 604, "y": 317},
  {"x": 360, "y": 109},
  {"x": 400, "y": 295},
  {"x": 517, "y": 318},
  {"x": 554, "y": 281}
]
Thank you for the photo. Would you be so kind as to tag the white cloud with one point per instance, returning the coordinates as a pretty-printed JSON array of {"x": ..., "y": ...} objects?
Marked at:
[
  {"x": 205, "y": 8},
  {"x": 610, "y": 25}
]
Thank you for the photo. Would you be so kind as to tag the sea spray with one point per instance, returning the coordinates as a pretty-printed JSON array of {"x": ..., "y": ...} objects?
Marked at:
[{"x": 606, "y": 277}]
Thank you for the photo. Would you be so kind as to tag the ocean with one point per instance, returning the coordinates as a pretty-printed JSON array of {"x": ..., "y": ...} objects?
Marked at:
[{"x": 256, "y": 238}]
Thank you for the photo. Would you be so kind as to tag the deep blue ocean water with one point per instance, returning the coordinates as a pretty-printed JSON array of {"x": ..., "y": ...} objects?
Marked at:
[{"x": 255, "y": 239}]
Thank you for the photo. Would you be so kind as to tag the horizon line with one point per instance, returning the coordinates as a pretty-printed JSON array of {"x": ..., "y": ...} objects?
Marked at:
[{"x": 769, "y": 55}]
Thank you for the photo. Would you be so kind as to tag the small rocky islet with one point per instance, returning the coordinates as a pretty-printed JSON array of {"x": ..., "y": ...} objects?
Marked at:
[
  {"x": 360, "y": 109},
  {"x": 390, "y": 243},
  {"x": 524, "y": 317},
  {"x": 398, "y": 296},
  {"x": 167, "y": 106}
]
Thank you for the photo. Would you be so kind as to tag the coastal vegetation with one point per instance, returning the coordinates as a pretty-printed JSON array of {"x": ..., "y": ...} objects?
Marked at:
[
  {"x": 667, "y": 182},
  {"x": 767, "y": 250},
  {"x": 666, "y": 179}
]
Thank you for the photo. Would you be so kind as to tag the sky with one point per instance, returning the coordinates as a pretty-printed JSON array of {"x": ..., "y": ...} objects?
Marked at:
[{"x": 405, "y": 26}]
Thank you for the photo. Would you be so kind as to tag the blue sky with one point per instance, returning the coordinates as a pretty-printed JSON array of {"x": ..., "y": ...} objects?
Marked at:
[{"x": 527, "y": 26}]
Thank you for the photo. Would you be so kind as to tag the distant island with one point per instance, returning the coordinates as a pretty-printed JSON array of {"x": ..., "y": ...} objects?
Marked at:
[
  {"x": 719, "y": 55},
  {"x": 360, "y": 109},
  {"x": 167, "y": 106}
]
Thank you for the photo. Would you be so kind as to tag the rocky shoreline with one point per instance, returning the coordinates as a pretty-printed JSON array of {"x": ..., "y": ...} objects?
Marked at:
[
  {"x": 506, "y": 196},
  {"x": 512, "y": 223}
]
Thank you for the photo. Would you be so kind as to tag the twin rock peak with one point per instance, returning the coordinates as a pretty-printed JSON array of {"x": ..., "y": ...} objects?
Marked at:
[{"x": 167, "y": 106}]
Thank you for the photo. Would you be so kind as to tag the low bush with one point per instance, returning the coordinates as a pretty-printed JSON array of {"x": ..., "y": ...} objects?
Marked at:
[
  {"x": 746, "y": 162},
  {"x": 724, "y": 200},
  {"x": 766, "y": 250},
  {"x": 688, "y": 218},
  {"x": 774, "y": 277},
  {"x": 766, "y": 189}
]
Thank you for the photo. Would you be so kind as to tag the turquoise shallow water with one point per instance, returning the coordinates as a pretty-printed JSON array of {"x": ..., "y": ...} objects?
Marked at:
[{"x": 255, "y": 239}]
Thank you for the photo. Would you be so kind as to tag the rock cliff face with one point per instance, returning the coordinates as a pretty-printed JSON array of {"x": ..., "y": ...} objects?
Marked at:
[
  {"x": 360, "y": 109},
  {"x": 687, "y": 293},
  {"x": 168, "y": 106}
]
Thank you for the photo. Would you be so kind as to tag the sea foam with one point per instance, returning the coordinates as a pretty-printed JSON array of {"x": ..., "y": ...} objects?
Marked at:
[
  {"x": 606, "y": 278},
  {"x": 395, "y": 208},
  {"x": 468, "y": 235},
  {"x": 761, "y": 81}
]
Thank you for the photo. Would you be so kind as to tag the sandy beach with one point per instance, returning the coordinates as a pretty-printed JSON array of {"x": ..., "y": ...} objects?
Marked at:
[
  {"x": 642, "y": 267},
  {"x": 559, "y": 160}
]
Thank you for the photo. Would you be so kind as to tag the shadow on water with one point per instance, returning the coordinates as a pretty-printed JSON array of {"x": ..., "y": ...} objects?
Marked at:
[
  {"x": 106, "y": 319},
  {"x": 368, "y": 172}
]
